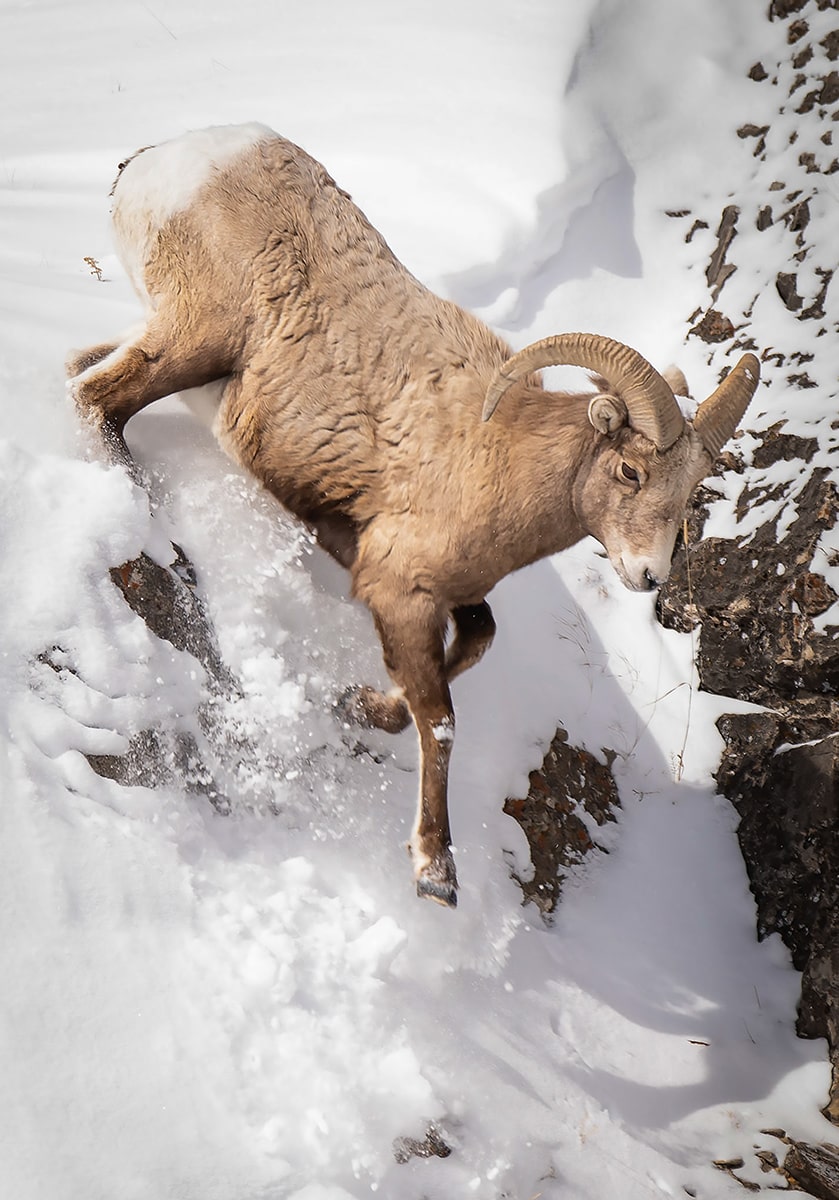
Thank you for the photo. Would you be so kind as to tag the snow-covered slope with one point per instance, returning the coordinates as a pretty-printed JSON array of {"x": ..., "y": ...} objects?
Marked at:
[{"x": 225, "y": 1008}]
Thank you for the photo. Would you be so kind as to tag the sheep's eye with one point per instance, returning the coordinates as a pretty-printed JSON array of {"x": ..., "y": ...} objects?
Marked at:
[{"x": 629, "y": 472}]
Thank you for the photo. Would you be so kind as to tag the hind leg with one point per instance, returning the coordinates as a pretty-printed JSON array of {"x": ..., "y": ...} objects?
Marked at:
[
  {"x": 156, "y": 361},
  {"x": 474, "y": 630},
  {"x": 80, "y": 360}
]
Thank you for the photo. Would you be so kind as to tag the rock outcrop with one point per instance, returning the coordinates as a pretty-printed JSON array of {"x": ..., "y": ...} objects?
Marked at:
[
  {"x": 166, "y": 599},
  {"x": 570, "y": 796},
  {"x": 768, "y": 615}
]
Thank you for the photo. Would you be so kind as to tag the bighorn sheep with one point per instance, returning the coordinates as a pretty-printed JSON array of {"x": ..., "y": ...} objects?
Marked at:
[{"x": 355, "y": 395}]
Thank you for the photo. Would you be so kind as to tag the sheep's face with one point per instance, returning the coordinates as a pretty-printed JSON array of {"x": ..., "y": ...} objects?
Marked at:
[{"x": 633, "y": 501}]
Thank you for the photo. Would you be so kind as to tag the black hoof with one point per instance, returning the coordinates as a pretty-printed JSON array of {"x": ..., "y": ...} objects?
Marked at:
[
  {"x": 438, "y": 881},
  {"x": 347, "y": 707},
  {"x": 443, "y": 893},
  {"x": 369, "y": 709}
]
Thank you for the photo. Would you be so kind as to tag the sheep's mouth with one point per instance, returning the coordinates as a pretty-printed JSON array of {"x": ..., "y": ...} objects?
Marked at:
[{"x": 639, "y": 580}]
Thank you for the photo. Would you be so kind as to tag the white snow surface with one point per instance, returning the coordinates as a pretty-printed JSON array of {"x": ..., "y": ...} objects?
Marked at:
[{"x": 253, "y": 1007}]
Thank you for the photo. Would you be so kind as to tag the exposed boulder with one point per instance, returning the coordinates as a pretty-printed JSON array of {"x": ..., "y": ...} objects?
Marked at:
[
  {"x": 813, "y": 1168},
  {"x": 433, "y": 1145},
  {"x": 570, "y": 796},
  {"x": 782, "y": 775},
  {"x": 804, "y": 1168},
  {"x": 757, "y": 600},
  {"x": 166, "y": 599}
]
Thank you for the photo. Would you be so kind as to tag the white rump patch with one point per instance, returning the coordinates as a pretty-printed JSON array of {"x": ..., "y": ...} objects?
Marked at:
[{"x": 163, "y": 180}]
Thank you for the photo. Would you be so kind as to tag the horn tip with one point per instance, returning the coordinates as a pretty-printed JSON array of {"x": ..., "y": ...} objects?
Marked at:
[
  {"x": 749, "y": 364},
  {"x": 495, "y": 391}
]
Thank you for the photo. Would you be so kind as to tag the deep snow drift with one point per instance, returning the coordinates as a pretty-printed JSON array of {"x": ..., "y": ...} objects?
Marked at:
[{"x": 220, "y": 1008}]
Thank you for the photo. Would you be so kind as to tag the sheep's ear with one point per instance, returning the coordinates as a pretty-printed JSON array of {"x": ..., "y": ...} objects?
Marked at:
[
  {"x": 676, "y": 378},
  {"x": 607, "y": 413}
]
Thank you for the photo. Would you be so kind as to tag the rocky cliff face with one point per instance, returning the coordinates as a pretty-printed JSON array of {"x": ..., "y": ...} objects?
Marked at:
[
  {"x": 759, "y": 643},
  {"x": 767, "y": 611}
]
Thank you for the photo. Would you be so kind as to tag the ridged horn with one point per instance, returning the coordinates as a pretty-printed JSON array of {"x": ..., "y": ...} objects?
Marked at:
[
  {"x": 652, "y": 408},
  {"x": 717, "y": 417}
]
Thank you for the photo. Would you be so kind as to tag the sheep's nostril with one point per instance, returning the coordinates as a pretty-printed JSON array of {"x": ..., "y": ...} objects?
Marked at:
[{"x": 651, "y": 581}]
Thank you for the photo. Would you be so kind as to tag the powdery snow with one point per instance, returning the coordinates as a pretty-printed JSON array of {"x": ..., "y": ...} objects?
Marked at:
[{"x": 226, "y": 1008}]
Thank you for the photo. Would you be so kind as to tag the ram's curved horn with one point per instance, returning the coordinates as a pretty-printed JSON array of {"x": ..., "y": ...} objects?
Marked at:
[
  {"x": 719, "y": 415},
  {"x": 652, "y": 407}
]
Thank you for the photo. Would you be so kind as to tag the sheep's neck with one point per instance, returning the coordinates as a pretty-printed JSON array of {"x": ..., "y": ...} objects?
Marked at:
[{"x": 546, "y": 441}]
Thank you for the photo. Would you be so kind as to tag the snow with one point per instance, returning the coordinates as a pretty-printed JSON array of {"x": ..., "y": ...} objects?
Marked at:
[{"x": 257, "y": 1005}]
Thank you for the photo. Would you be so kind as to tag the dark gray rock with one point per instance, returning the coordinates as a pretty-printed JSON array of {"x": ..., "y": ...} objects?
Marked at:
[
  {"x": 713, "y": 327},
  {"x": 166, "y": 599},
  {"x": 157, "y": 757},
  {"x": 758, "y": 599},
  {"x": 815, "y": 1169},
  {"x": 756, "y": 603},
  {"x": 569, "y": 791},
  {"x": 782, "y": 775},
  {"x": 433, "y": 1145}
]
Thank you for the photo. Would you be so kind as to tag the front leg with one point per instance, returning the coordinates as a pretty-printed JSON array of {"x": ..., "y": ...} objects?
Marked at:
[
  {"x": 372, "y": 709},
  {"x": 412, "y": 635},
  {"x": 430, "y": 844},
  {"x": 474, "y": 630}
]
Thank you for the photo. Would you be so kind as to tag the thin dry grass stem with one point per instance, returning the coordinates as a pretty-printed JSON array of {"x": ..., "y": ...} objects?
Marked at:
[{"x": 95, "y": 269}]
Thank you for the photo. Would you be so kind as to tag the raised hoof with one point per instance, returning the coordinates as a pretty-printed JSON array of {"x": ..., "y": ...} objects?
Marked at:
[
  {"x": 438, "y": 881},
  {"x": 350, "y": 708},
  {"x": 370, "y": 709}
]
